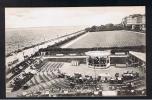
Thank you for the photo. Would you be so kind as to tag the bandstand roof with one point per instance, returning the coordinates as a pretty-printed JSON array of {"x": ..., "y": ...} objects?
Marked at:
[{"x": 98, "y": 53}]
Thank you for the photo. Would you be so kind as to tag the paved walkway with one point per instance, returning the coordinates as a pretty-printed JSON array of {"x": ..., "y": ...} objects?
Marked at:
[{"x": 73, "y": 41}]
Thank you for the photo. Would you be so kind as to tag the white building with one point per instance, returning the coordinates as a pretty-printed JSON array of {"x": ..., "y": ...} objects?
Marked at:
[{"x": 134, "y": 22}]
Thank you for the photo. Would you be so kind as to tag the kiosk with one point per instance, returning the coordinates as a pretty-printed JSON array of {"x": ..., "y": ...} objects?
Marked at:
[{"x": 98, "y": 59}]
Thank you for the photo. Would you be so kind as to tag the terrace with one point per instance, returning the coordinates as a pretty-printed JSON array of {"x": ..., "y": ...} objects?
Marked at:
[{"x": 47, "y": 78}]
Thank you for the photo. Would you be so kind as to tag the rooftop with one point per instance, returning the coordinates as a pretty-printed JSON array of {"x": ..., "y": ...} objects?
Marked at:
[{"x": 139, "y": 55}]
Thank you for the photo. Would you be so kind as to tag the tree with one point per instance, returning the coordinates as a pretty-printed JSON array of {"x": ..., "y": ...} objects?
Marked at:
[
  {"x": 94, "y": 29},
  {"x": 109, "y": 26},
  {"x": 87, "y": 29}
]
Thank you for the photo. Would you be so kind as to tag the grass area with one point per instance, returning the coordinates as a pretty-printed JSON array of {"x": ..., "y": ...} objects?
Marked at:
[{"x": 109, "y": 39}]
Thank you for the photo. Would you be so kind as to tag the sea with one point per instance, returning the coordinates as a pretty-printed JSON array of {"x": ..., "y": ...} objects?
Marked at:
[{"x": 18, "y": 38}]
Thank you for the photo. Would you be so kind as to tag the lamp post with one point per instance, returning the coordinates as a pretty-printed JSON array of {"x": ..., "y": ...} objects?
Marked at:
[
  {"x": 23, "y": 56},
  {"x": 95, "y": 75}
]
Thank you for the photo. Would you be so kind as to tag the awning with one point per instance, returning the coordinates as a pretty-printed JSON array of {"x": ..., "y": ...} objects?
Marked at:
[{"x": 140, "y": 55}]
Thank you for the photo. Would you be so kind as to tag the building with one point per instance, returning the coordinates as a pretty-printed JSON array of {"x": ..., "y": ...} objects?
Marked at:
[
  {"x": 137, "y": 59},
  {"x": 134, "y": 22}
]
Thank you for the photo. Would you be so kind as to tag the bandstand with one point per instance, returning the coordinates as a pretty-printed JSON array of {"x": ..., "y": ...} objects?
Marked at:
[{"x": 98, "y": 59}]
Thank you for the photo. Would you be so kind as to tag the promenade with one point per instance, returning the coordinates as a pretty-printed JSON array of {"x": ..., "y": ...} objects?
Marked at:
[{"x": 31, "y": 51}]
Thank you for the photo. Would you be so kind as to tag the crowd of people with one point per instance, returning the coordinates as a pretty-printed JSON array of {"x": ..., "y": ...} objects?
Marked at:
[
  {"x": 78, "y": 84},
  {"x": 24, "y": 75},
  {"x": 87, "y": 86}
]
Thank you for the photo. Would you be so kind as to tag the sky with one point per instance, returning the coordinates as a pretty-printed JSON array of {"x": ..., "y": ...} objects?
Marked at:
[{"x": 67, "y": 16}]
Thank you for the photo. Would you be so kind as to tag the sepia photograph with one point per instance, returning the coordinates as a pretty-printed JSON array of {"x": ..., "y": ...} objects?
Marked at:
[{"x": 75, "y": 51}]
